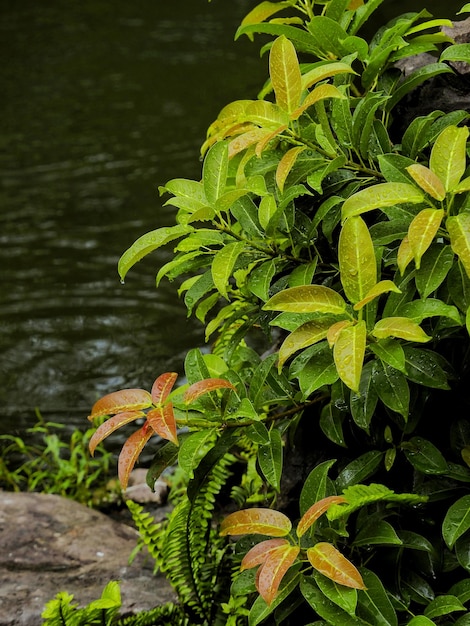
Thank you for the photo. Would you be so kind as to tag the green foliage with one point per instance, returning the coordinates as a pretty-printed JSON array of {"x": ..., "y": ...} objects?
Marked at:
[
  {"x": 327, "y": 253},
  {"x": 45, "y": 461}
]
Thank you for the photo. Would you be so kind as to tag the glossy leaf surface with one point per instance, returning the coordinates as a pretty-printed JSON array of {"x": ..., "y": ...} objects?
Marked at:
[
  {"x": 256, "y": 520},
  {"x": 448, "y": 156},
  {"x": 348, "y": 353},
  {"x": 422, "y": 231},
  {"x": 329, "y": 561},
  {"x": 315, "y": 511},
  {"x": 260, "y": 552},
  {"x": 458, "y": 227},
  {"x": 196, "y": 390},
  {"x": 130, "y": 452},
  {"x": 162, "y": 387},
  {"x": 162, "y": 420},
  {"x": 357, "y": 263},
  {"x": 401, "y": 327},
  {"x": 307, "y": 299},
  {"x": 273, "y": 570},
  {"x": 304, "y": 336},
  {"x": 285, "y": 74},
  {"x": 110, "y": 425},
  {"x": 380, "y": 196},
  {"x": 427, "y": 180},
  {"x": 119, "y": 401},
  {"x": 456, "y": 521}
]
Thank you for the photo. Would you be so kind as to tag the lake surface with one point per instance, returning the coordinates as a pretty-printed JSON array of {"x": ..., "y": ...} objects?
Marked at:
[{"x": 102, "y": 102}]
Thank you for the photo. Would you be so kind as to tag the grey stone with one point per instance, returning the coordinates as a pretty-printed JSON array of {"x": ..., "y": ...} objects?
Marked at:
[
  {"x": 50, "y": 544},
  {"x": 138, "y": 490}
]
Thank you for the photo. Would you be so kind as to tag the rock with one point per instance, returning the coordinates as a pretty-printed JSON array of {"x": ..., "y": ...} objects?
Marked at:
[
  {"x": 50, "y": 544},
  {"x": 138, "y": 490}
]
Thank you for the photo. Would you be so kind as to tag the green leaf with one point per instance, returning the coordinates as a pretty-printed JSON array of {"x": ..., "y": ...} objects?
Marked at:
[
  {"x": 302, "y": 337},
  {"x": 270, "y": 459},
  {"x": 314, "y": 488},
  {"x": 424, "y": 367},
  {"x": 307, "y": 299},
  {"x": 260, "y": 279},
  {"x": 303, "y": 274},
  {"x": 315, "y": 371},
  {"x": 363, "y": 121},
  {"x": 390, "y": 351},
  {"x": 374, "y": 603},
  {"x": 457, "y": 52},
  {"x": 418, "y": 310},
  {"x": 148, "y": 243},
  {"x": 357, "y": 262},
  {"x": 422, "y": 231},
  {"x": 285, "y": 74},
  {"x": 393, "y": 167},
  {"x": 443, "y": 605},
  {"x": 223, "y": 265},
  {"x": 448, "y": 156},
  {"x": 324, "y": 607},
  {"x": 348, "y": 354},
  {"x": 215, "y": 171},
  {"x": 378, "y": 532},
  {"x": 421, "y": 620},
  {"x": 380, "y": 196},
  {"x": 392, "y": 388},
  {"x": 424, "y": 456},
  {"x": 401, "y": 327},
  {"x": 344, "y": 597},
  {"x": 331, "y": 423},
  {"x": 328, "y": 37},
  {"x": 458, "y": 228},
  {"x": 302, "y": 40},
  {"x": 416, "y": 78},
  {"x": 260, "y": 610},
  {"x": 359, "y": 470},
  {"x": 193, "y": 448},
  {"x": 364, "y": 401},
  {"x": 456, "y": 521},
  {"x": 435, "y": 266}
]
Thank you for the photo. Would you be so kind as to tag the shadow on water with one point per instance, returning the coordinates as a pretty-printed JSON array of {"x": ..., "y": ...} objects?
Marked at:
[{"x": 102, "y": 102}]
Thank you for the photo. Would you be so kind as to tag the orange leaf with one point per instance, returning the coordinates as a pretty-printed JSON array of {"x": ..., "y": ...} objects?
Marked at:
[
  {"x": 271, "y": 572},
  {"x": 162, "y": 420},
  {"x": 259, "y": 553},
  {"x": 314, "y": 512},
  {"x": 205, "y": 386},
  {"x": 112, "y": 424},
  {"x": 162, "y": 387},
  {"x": 262, "y": 521},
  {"x": 326, "y": 559},
  {"x": 130, "y": 452},
  {"x": 118, "y": 401}
]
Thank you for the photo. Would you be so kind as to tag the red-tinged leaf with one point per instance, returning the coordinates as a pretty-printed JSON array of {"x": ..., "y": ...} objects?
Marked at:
[
  {"x": 206, "y": 386},
  {"x": 259, "y": 553},
  {"x": 110, "y": 425},
  {"x": 119, "y": 401},
  {"x": 253, "y": 521},
  {"x": 272, "y": 571},
  {"x": 162, "y": 387},
  {"x": 314, "y": 512},
  {"x": 130, "y": 452},
  {"x": 427, "y": 180},
  {"x": 334, "y": 331},
  {"x": 162, "y": 420},
  {"x": 286, "y": 164},
  {"x": 327, "y": 560}
]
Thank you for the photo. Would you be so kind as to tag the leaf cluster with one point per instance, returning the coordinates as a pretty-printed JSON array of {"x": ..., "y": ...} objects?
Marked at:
[{"x": 329, "y": 261}]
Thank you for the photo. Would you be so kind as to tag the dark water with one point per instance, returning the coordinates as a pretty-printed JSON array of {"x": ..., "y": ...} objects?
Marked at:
[{"x": 101, "y": 101}]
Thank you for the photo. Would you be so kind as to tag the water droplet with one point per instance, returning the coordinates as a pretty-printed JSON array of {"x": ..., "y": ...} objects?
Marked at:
[{"x": 122, "y": 281}]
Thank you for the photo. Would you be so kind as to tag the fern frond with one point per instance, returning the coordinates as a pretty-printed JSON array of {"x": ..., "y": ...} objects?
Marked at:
[
  {"x": 151, "y": 533},
  {"x": 191, "y": 553},
  {"x": 163, "y": 615}
]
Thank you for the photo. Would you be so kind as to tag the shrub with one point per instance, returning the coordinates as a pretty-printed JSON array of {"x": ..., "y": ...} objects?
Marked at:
[{"x": 329, "y": 261}]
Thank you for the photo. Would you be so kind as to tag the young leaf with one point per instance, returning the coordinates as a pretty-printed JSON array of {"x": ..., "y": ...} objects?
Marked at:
[
  {"x": 307, "y": 299},
  {"x": 422, "y": 231},
  {"x": 130, "y": 452},
  {"x": 162, "y": 387},
  {"x": 404, "y": 254},
  {"x": 314, "y": 512},
  {"x": 286, "y": 164},
  {"x": 254, "y": 521},
  {"x": 401, "y": 327},
  {"x": 262, "y": 11},
  {"x": 148, "y": 243},
  {"x": 272, "y": 571},
  {"x": 383, "y": 286},
  {"x": 215, "y": 171},
  {"x": 260, "y": 552},
  {"x": 357, "y": 263},
  {"x": 327, "y": 560},
  {"x": 348, "y": 353},
  {"x": 322, "y": 92},
  {"x": 380, "y": 196},
  {"x": 427, "y": 180},
  {"x": 322, "y": 72},
  {"x": 448, "y": 156},
  {"x": 458, "y": 228},
  {"x": 162, "y": 420},
  {"x": 304, "y": 336},
  {"x": 110, "y": 425},
  {"x": 119, "y": 401},
  {"x": 207, "y": 385},
  {"x": 224, "y": 263},
  {"x": 285, "y": 74}
]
